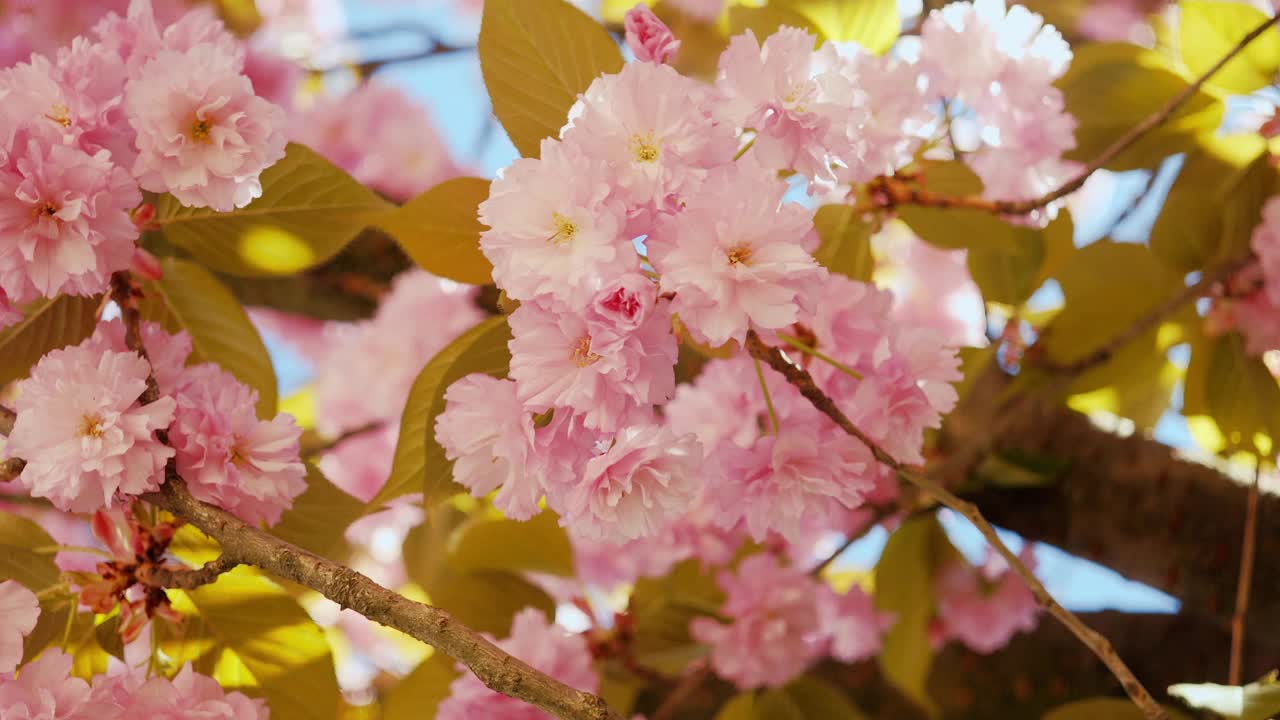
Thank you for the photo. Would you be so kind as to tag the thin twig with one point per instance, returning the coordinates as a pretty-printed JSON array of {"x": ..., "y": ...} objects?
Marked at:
[
  {"x": 1138, "y": 200},
  {"x": 803, "y": 381},
  {"x": 185, "y": 578},
  {"x": 1247, "y": 549},
  {"x": 687, "y": 686}
]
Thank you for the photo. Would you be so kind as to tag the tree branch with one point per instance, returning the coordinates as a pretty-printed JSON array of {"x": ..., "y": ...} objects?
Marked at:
[
  {"x": 1248, "y": 546},
  {"x": 184, "y": 578},
  {"x": 804, "y": 382}
]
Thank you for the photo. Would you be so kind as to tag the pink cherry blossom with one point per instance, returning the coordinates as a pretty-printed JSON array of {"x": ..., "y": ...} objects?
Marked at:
[
  {"x": 551, "y": 237},
  {"x": 65, "y": 216},
  {"x": 734, "y": 258},
  {"x": 773, "y": 633},
  {"x": 985, "y": 607},
  {"x": 19, "y": 611},
  {"x": 82, "y": 432},
  {"x": 132, "y": 694},
  {"x": 853, "y": 623},
  {"x": 379, "y": 135},
  {"x": 559, "y": 360},
  {"x": 1266, "y": 246},
  {"x": 167, "y": 353},
  {"x": 228, "y": 456},
  {"x": 144, "y": 32},
  {"x": 485, "y": 430},
  {"x": 648, "y": 37},
  {"x": 648, "y": 478},
  {"x": 202, "y": 134},
  {"x": 45, "y": 689},
  {"x": 651, "y": 127},
  {"x": 547, "y": 648},
  {"x": 360, "y": 465},
  {"x": 9, "y": 315}
]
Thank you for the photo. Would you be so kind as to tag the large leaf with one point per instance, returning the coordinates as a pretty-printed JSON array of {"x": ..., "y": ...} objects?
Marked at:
[
  {"x": 873, "y": 24},
  {"x": 662, "y": 608},
  {"x": 1103, "y": 709},
  {"x": 1256, "y": 701},
  {"x": 190, "y": 298},
  {"x": 319, "y": 516},
  {"x": 274, "y": 639},
  {"x": 819, "y": 700},
  {"x": 846, "y": 242},
  {"x": 420, "y": 692},
  {"x": 954, "y": 228},
  {"x": 440, "y": 230},
  {"x": 486, "y": 600},
  {"x": 1236, "y": 391},
  {"x": 46, "y": 325},
  {"x": 1208, "y": 30},
  {"x": 308, "y": 211},
  {"x": 19, "y": 537},
  {"x": 1111, "y": 87},
  {"x": 536, "y": 57},
  {"x": 765, "y": 21},
  {"x": 536, "y": 545},
  {"x": 420, "y": 463},
  {"x": 904, "y": 587}
]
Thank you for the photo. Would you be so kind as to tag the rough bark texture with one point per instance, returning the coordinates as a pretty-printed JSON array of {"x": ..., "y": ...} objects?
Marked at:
[
  {"x": 1125, "y": 502},
  {"x": 350, "y": 589}
]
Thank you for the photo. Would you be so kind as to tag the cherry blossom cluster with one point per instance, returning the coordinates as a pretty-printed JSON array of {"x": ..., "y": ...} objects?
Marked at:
[
  {"x": 132, "y": 106},
  {"x": 983, "y": 607},
  {"x": 1250, "y": 304},
  {"x": 89, "y": 442},
  {"x": 45, "y": 687}
]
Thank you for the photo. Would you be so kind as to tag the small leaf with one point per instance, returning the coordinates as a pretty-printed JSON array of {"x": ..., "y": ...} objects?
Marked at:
[
  {"x": 846, "y": 242},
  {"x": 419, "y": 462},
  {"x": 487, "y": 600},
  {"x": 1236, "y": 391},
  {"x": 1256, "y": 701},
  {"x": 873, "y": 24},
  {"x": 536, "y": 545},
  {"x": 1207, "y": 31},
  {"x": 1103, "y": 709},
  {"x": 777, "y": 705},
  {"x": 46, "y": 325},
  {"x": 440, "y": 230},
  {"x": 274, "y": 638},
  {"x": 1008, "y": 274},
  {"x": 190, "y": 298},
  {"x": 107, "y": 634},
  {"x": 319, "y": 516},
  {"x": 904, "y": 587},
  {"x": 765, "y": 21},
  {"x": 536, "y": 57},
  {"x": 956, "y": 228},
  {"x": 18, "y": 538},
  {"x": 417, "y": 695},
  {"x": 1111, "y": 87},
  {"x": 819, "y": 700},
  {"x": 662, "y": 608},
  {"x": 740, "y": 707},
  {"x": 308, "y": 211}
]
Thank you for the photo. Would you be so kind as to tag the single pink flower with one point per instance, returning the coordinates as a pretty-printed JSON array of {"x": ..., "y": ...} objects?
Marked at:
[
  {"x": 1266, "y": 245},
  {"x": 648, "y": 37},
  {"x": 202, "y": 133},
  {"x": 19, "y": 611},
  {"x": 547, "y": 648},
  {"x": 82, "y": 432},
  {"x": 167, "y": 353},
  {"x": 65, "y": 216},
  {"x": 228, "y": 456},
  {"x": 852, "y": 622},
  {"x": 985, "y": 607},
  {"x": 45, "y": 689},
  {"x": 131, "y": 694}
]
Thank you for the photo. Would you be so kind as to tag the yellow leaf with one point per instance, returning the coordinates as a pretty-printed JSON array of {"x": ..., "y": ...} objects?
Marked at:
[
  {"x": 319, "y": 516},
  {"x": 440, "y": 230},
  {"x": 904, "y": 587},
  {"x": 873, "y": 24},
  {"x": 1208, "y": 30},
  {"x": 955, "y": 228},
  {"x": 46, "y": 325},
  {"x": 535, "y": 545},
  {"x": 417, "y": 695},
  {"x": 536, "y": 57}
]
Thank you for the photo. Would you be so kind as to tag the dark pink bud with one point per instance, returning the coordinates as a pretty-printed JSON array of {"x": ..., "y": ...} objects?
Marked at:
[{"x": 648, "y": 37}]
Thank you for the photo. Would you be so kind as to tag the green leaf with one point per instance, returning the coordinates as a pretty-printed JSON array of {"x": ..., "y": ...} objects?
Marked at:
[
  {"x": 904, "y": 587},
  {"x": 1103, "y": 709},
  {"x": 190, "y": 298},
  {"x": 18, "y": 538},
  {"x": 1111, "y": 87},
  {"x": 1009, "y": 274},
  {"x": 1236, "y": 391},
  {"x": 319, "y": 516},
  {"x": 740, "y": 707},
  {"x": 956, "y": 228},
  {"x": 1188, "y": 234},
  {"x": 274, "y": 638},
  {"x": 873, "y": 24},
  {"x": 1242, "y": 209},
  {"x": 308, "y": 211},
  {"x": 440, "y": 230},
  {"x": 417, "y": 695},
  {"x": 487, "y": 600},
  {"x": 419, "y": 462},
  {"x": 1256, "y": 701},
  {"x": 662, "y": 608},
  {"x": 846, "y": 242},
  {"x": 536, "y": 57},
  {"x": 536, "y": 545},
  {"x": 765, "y": 21},
  {"x": 46, "y": 325},
  {"x": 817, "y": 699},
  {"x": 1207, "y": 31}
]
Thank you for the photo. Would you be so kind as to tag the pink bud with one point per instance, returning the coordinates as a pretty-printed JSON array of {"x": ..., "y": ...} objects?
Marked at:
[
  {"x": 145, "y": 265},
  {"x": 113, "y": 529},
  {"x": 648, "y": 37},
  {"x": 144, "y": 216},
  {"x": 1269, "y": 129}
]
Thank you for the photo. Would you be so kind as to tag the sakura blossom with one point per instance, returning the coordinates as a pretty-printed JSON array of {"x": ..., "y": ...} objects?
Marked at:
[
  {"x": 854, "y": 625},
  {"x": 45, "y": 688},
  {"x": 648, "y": 37},
  {"x": 83, "y": 433},
  {"x": 19, "y": 611},
  {"x": 188, "y": 694},
  {"x": 984, "y": 607}
]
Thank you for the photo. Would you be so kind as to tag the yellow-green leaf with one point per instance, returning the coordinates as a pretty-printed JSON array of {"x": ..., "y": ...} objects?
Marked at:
[
  {"x": 1008, "y": 274},
  {"x": 536, "y": 57},
  {"x": 1111, "y": 87},
  {"x": 1208, "y": 30},
  {"x": 46, "y": 325},
  {"x": 440, "y": 230},
  {"x": 765, "y": 21},
  {"x": 19, "y": 537},
  {"x": 662, "y": 608},
  {"x": 190, "y": 298},
  {"x": 740, "y": 707},
  {"x": 536, "y": 545},
  {"x": 487, "y": 600},
  {"x": 873, "y": 24},
  {"x": 1236, "y": 391},
  {"x": 846, "y": 242},
  {"x": 955, "y": 228},
  {"x": 319, "y": 516},
  {"x": 309, "y": 210},
  {"x": 273, "y": 637},
  {"x": 819, "y": 700},
  {"x": 904, "y": 587},
  {"x": 419, "y": 462},
  {"x": 417, "y": 695},
  {"x": 1103, "y": 709}
]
